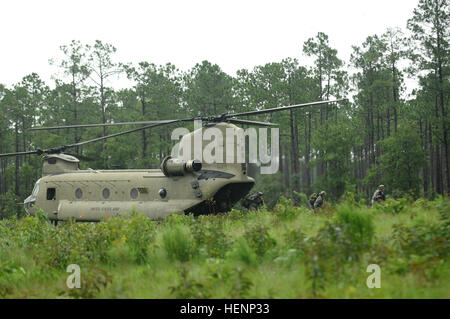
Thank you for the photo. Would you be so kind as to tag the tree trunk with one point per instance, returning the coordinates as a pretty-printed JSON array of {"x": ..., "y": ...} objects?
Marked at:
[
  {"x": 307, "y": 154},
  {"x": 294, "y": 151},
  {"x": 441, "y": 102},
  {"x": 144, "y": 137},
  {"x": 432, "y": 156},
  {"x": 388, "y": 119},
  {"x": 102, "y": 102},
  {"x": 75, "y": 111},
  {"x": 439, "y": 177},
  {"x": 286, "y": 174},
  {"x": 423, "y": 136},
  {"x": 16, "y": 168},
  {"x": 394, "y": 96}
]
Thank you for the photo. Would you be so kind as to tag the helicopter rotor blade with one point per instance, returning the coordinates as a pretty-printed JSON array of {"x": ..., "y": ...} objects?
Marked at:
[
  {"x": 208, "y": 118},
  {"x": 38, "y": 152},
  {"x": 236, "y": 121},
  {"x": 48, "y": 128},
  {"x": 60, "y": 149},
  {"x": 120, "y": 133},
  {"x": 282, "y": 108}
]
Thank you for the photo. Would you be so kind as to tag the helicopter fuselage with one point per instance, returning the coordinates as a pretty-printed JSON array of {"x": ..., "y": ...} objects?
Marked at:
[
  {"x": 65, "y": 191},
  {"x": 90, "y": 195}
]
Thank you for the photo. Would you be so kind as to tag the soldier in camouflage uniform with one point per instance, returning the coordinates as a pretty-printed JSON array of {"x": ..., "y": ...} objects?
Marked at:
[
  {"x": 312, "y": 199},
  {"x": 320, "y": 199},
  {"x": 253, "y": 201},
  {"x": 378, "y": 195}
]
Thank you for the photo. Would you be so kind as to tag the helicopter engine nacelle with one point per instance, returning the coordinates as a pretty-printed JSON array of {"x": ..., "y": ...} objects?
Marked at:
[{"x": 177, "y": 167}]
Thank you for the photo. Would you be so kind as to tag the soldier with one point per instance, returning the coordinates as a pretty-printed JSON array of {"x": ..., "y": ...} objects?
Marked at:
[
  {"x": 378, "y": 195},
  {"x": 312, "y": 199},
  {"x": 319, "y": 201},
  {"x": 253, "y": 201}
]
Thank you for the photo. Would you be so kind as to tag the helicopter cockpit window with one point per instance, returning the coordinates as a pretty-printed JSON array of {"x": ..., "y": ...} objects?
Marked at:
[
  {"x": 35, "y": 189},
  {"x": 51, "y": 193}
]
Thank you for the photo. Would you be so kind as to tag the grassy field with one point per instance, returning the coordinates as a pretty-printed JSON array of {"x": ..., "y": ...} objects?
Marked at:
[{"x": 288, "y": 252}]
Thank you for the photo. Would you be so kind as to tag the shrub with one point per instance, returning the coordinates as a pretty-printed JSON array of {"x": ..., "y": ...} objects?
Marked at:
[
  {"x": 139, "y": 235},
  {"x": 244, "y": 253},
  {"x": 241, "y": 285},
  {"x": 92, "y": 282},
  {"x": 340, "y": 241},
  {"x": 294, "y": 238},
  {"x": 60, "y": 251},
  {"x": 34, "y": 229},
  {"x": 301, "y": 199},
  {"x": 423, "y": 239},
  {"x": 285, "y": 209},
  {"x": 212, "y": 237},
  {"x": 357, "y": 225},
  {"x": 175, "y": 219},
  {"x": 259, "y": 239},
  {"x": 235, "y": 214},
  {"x": 178, "y": 242},
  {"x": 189, "y": 288},
  {"x": 391, "y": 206}
]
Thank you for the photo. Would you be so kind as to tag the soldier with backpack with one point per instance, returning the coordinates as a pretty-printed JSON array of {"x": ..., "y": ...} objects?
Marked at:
[
  {"x": 312, "y": 199},
  {"x": 379, "y": 195},
  {"x": 319, "y": 201},
  {"x": 253, "y": 201},
  {"x": 316, "y": 200}
]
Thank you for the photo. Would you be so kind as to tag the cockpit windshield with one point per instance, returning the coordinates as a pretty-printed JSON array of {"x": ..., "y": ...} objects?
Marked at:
[{"x": 36, "y": 189}]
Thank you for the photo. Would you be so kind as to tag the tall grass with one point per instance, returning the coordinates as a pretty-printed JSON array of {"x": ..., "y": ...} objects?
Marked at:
[
  {"x": 290, "y": 252},
  {"x": 356, "y": 223},
  {"x": 178, "y": 242}
]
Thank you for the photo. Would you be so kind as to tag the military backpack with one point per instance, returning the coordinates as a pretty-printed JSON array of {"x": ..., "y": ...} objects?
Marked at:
[{"x": 312, "y": 199}]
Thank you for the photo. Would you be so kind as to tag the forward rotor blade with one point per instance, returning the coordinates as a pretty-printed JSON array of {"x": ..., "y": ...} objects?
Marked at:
[
  {"x": 22, "y": 153},
  {"x": 282, "y": 108},
  {"x": 97, "y": 125},
  {"x": 236, "y": 121},
  {"x": 119, "y": 134},
  {"x": 60, "y": 149}
]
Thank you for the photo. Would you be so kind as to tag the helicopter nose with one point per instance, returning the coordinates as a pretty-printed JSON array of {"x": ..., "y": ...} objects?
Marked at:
[{"x": 28, "y": 203}]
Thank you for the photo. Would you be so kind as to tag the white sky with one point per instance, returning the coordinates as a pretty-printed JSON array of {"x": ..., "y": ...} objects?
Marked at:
[{"x": 233, "y": 34}]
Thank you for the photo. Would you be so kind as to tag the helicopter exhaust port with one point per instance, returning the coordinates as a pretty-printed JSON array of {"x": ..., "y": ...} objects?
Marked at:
[{"x": 177, "y": 167}]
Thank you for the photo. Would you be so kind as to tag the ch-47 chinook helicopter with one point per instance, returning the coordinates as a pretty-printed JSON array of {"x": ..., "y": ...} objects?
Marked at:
[{"x": 66, "y": 192}]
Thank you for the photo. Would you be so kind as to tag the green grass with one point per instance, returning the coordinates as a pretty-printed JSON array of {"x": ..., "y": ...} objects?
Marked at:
[{"x": 289, "y": 252}]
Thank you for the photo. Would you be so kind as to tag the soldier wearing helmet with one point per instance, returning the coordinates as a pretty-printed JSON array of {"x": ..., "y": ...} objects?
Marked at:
[
  {"x": 378, "y": 195},
  {"x": 319, "y": 200},
  {"x": 253, "y": 201}
]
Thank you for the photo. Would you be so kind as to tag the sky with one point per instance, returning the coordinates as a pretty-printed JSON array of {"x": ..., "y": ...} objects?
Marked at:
[{"x": 233, "y": 34}]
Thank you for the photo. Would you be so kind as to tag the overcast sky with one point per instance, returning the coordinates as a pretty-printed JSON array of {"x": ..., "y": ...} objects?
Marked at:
[{"x": 233, "y": 34}]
